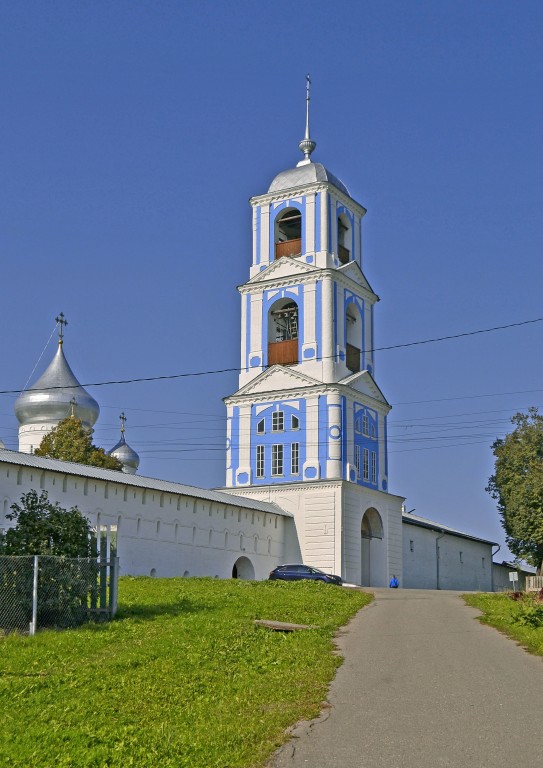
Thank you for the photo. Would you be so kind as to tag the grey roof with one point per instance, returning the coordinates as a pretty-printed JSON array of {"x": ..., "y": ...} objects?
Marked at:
[
  {"x": 137, "y": 481},
  {"x": 305, "y": 174},
  {"x": 422, "y": 522},
  {"x": 49, "y": 399}
]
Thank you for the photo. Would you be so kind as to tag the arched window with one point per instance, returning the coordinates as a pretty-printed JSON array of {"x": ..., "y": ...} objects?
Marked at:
[
  {"x": 288, "y": 233},
  {"x": 283, "y": 333},
  {"x": 343, "y": 238},
  {"x": 353, "y": 337}
]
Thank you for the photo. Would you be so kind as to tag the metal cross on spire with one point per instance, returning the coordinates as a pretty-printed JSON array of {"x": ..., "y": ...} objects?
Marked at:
[
  {"x": 61, "y": 321},
  {"x": 307, "y": 145},
  {"x": 123, "y": 419},
  {"x": 73, "y": 403}
]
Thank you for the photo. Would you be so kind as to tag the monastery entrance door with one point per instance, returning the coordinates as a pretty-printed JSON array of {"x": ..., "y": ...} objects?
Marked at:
[{"x": 372, "y": 550}]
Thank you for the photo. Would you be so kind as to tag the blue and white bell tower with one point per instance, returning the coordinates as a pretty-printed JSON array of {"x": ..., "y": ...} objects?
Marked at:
[{"x": 309, "y": 418}]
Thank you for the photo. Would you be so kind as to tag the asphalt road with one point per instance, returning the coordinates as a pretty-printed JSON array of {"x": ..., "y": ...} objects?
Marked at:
[{"x": 425, "y": 685}]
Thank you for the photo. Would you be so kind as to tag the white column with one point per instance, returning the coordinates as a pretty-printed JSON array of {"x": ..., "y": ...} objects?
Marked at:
[
  {"x": 255, "y": 219},
  {"x": 265, "y": 256},
  {"x": 310, "y": 292},
  {"x": 244, "y": 340},
  {"x": 324, "y": 220},
  {"x": 256, "y": 326}
]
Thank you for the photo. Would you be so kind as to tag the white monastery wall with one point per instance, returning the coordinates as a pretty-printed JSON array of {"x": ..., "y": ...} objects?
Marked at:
[
  {"x": 464, "y": 563},
  {"x": 157, "y": 531}
]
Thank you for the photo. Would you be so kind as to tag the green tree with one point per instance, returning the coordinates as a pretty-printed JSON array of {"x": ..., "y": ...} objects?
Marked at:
[
  {"x": 43, "y": 527},
  {"x": 517, "y": 485},
  {"x": 71, "y": 441}
]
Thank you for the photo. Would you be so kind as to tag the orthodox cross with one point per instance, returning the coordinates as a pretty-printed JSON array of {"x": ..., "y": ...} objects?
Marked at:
[
  {"x": 62, "y": 322},
  {"x": 73, "y": 403},
  {"x": 123, "y": 419}
]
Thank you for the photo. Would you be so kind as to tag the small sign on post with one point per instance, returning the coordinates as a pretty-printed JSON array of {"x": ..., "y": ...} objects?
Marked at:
[{"x": 513, "y": 576}]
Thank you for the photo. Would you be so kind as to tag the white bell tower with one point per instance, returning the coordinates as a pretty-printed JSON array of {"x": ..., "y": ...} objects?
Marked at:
[{"x": 307, "y": 426}]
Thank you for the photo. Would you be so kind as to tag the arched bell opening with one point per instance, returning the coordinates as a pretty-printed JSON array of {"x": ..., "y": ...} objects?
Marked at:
[
  {"x": 243, "y": 569},
  {"x": 344, "y": 238},
  {"x": 372, "y": 550},
  {"x": 283, "y": 333},
  {"x": 288, "y": 233},
  {"x": 353, "y": 333}
]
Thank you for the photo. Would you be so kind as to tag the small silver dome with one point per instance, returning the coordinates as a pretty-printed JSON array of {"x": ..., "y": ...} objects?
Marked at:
[
  {"x": 126, "y": 455},
  {"x": 50, "y": 398},
  {"x": 306, "y": 173}
]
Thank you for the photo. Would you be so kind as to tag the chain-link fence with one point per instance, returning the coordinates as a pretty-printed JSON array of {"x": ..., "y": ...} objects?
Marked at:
[{"x": 44, "y": 591}]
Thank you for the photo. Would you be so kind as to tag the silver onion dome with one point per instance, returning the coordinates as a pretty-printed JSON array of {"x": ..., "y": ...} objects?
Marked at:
[
  {"x": 122, "y": 451},
  {"x": 52, "y": 397},
  {"x": 126, "y": 455}
]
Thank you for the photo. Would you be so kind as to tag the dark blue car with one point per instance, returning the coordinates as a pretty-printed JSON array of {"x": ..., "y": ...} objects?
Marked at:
[{"x": 296, "y": 572}]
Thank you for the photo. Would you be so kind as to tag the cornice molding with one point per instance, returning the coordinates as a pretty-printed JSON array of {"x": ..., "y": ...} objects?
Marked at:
[
  {"x": 307, "y": 189},
  {"x": 316, "y": 274}
]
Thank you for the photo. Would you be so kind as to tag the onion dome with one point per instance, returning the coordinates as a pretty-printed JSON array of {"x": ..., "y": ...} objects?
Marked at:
[
  {"x": 122, "y": 451},
  {"x": 55, "y": 396}
]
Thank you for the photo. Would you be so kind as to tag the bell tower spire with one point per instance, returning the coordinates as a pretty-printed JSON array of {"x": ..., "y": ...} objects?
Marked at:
[{"x": 307, "y": 145}]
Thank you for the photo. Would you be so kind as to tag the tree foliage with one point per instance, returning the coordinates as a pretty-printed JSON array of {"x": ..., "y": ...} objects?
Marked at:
[
  {"x": 45, "y": 528},
  {"x": 71, "y": 441},
  {"x": 517, "y": 485}
]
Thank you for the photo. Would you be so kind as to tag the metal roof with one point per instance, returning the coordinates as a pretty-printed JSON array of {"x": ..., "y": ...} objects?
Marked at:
[
  {"x": 137, "y": 481},
  {"x": 422, "y": 522}
]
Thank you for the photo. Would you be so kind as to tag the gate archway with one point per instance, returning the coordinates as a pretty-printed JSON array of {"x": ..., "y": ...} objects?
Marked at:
[
  {"x": 243, "y": 569},
  {"x": 372, "y": 550}
]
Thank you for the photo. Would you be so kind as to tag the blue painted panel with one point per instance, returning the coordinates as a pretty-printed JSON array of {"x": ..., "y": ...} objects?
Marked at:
[
  {"x": 318, "y": 318},
  {"x": 247, "y": 329},
  {"x": 234, "y": 453},
  {"x": 258, "y": 233},
  {"x": 311, "y": 473},
  {"x": 344, "y": 432},
  {"x": 366, "y": 436},
  {"x": 318, "y": 199},
  {"x": 243, "y": 478},
  {"x": 335, "y": 322},
  {"x": 323, "y": 435},
  {"x": 286, "y": 438}
]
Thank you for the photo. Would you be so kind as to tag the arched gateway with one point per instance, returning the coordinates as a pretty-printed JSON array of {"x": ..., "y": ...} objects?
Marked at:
[
  {"x": 372, "y": 550},
  {"x": 243, "y": 569}
]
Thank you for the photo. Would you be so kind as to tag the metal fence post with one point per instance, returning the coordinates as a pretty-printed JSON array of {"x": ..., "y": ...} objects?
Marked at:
[
  {"x": 113, "y": 585},
  {"x": 34, "y": 622}
]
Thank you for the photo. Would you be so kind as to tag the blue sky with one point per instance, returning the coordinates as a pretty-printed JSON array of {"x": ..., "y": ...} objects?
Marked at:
[{"x": 133, "y": 134}]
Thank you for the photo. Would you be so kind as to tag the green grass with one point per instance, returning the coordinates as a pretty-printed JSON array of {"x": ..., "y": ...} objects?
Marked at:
[
  {"x": 500, "y": 611},
  {"x": 182, "y": 677}
]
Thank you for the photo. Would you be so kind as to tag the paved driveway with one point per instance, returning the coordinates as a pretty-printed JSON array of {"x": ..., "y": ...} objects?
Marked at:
[{"x": 425, "y": 685}]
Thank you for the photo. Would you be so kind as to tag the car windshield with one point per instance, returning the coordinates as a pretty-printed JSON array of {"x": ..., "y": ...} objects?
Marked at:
[{"x": 318, "y": 570}]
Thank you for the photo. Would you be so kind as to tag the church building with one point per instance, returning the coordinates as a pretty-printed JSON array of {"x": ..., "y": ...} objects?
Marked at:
[{"x": 306, "y": 445}]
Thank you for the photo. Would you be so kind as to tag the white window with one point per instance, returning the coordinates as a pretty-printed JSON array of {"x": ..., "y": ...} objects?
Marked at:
[
  {"x": 277, "y": 460},
  {"x": 373, "y": 467},
  {"x": 366, "y": 464},
  {"x": 365, "y": 425},
  {"x": 295, "y": 422},
  {"x": 260, "y": 461},
  {"x": 260, "y": 427},
  {"x": 278, "y": 421},
  {"x": 357, "y": 459},
  {"x": 295, "y": 459}
]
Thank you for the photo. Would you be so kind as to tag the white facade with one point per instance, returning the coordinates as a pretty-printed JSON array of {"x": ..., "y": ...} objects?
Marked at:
[{"x": 158, "y": 528}]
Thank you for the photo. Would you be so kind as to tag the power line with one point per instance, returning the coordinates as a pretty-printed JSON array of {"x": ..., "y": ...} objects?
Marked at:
[{"x": 169, "y": 377}]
